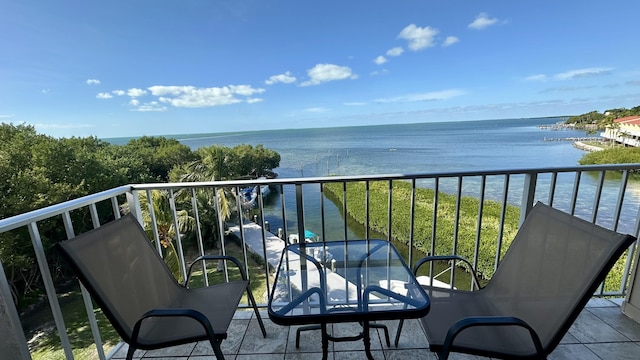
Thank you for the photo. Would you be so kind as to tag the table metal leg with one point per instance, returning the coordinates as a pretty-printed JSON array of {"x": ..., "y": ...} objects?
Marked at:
[
  {"x": 367, "y": 340},
  {"x": 365, "y": 336},
  {"x": 325, "y": 342},
  {"x": 305, "y": 328},
  {"x": 386, "y": 331}
]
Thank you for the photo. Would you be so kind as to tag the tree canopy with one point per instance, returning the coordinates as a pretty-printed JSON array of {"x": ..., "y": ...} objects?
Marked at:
[
  {"x": 160, "y": 154},
  {"x": 601, "y": 120},
  {"x": 615, "y": 155},
  {"x": 37, "y": 170}
]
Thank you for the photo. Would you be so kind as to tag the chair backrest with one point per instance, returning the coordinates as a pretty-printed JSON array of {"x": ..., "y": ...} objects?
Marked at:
[
  {"x": 554, "y": 265},
  {"x": 122, "y": 271}
]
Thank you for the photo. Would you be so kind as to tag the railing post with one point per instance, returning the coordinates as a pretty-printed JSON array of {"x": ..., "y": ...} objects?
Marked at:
[
  {"x": 528, "y": 194},
  {"x": 134, "y": 205},
  {"x": 300, "y": 216},
  {"x": 50, "y": 289},
  {"x": 12, "y": 340},
  {"x": 86, "y": 297},
  {"x": 631, "y": 303}
]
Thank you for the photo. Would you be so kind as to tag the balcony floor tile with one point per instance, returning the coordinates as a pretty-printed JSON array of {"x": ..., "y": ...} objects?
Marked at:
[{"x": 600, "y": 332}]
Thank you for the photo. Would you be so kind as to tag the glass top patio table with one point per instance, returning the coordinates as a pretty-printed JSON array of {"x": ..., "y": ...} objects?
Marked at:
[{"x": 344, "y": 281}]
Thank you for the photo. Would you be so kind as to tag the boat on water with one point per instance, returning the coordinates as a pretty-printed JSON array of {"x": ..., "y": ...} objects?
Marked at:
[
  {"x": 309, "y": 236},
  {"x": 320, "y": 253},
  {"x": 250, "y": 194}
]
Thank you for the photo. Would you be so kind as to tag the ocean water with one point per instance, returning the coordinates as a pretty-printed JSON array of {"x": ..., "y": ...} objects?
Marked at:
[{"x": 410, "y": 149}]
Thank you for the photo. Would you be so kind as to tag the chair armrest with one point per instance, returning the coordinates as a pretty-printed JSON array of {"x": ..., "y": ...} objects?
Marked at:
[
  {"x": 427, "y": 259},
  {"x": 216, "y": 257},
  {"x": 466, "y": 323}
]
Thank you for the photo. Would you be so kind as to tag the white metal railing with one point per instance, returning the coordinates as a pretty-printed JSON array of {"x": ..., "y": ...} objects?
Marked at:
[{"x": 603, "y": 194}]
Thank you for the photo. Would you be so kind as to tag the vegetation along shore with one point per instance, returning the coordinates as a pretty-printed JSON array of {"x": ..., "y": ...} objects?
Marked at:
[{"x": 441, "y": 241}]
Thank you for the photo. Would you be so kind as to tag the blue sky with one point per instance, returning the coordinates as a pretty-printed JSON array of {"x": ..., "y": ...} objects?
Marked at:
[{"x": 130, "y": 68}]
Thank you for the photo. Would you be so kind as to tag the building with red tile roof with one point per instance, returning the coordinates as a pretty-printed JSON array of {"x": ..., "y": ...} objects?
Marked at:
[{"x": 626, "y": 131}]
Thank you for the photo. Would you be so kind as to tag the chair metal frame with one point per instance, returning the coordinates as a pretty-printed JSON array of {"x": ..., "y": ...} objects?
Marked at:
[
  {"x": 620, "y": 243},
  {"x": 131, "y": 335}
]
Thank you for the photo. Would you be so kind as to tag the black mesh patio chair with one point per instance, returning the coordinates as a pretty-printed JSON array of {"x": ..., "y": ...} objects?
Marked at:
[
  {"x": 552, "y": 268},
  {"x": 141, "y": 298}
]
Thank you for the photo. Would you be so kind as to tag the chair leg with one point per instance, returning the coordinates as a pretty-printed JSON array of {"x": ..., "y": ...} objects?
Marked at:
[
  {"x": 215, "y": 344},
  {"x": 130, "y": 352},
  {"x": 255, "y": 310}
]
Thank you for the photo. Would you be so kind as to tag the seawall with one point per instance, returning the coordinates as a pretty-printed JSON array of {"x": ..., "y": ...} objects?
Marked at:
[{"x": 582, "y": 146}]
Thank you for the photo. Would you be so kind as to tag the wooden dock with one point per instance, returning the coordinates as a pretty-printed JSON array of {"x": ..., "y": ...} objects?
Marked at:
[
  {"x": 337, "y": 286},
  {"x": 574, "y": 139},
  {"x": 253, "y": 241}
]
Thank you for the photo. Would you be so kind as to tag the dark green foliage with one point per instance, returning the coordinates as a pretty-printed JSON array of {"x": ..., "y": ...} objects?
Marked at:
[
  {"x": 252, "y": 162},
  {"x": 602, "y": 120},
  {"x": 616, "y": 155},
  {"x": 223, "y": 163},
  {"x": 445, "y": 226},
  {"x": 38, "y": 171},
  {"x": 160, "y": 154}
]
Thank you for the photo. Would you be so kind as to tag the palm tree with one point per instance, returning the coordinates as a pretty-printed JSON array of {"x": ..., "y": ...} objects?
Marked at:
[
  {"x": 213, "y": 164},
  {"x": 167, "y": 232}
]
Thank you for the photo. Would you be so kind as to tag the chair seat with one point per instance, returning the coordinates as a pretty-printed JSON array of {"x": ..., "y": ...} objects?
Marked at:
[
  {"x": 449, "y": 306},
  {"x": 216, "y": 302}
]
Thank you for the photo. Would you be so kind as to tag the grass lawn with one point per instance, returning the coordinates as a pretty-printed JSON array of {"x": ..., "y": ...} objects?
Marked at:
[{"x": 45, "y": 344}]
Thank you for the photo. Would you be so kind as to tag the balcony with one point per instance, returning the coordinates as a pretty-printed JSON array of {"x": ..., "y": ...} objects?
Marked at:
[
  {"x": 600, "y": 332},
  {"x": 602, "y": 194},
  {"x": 627, "y": 138}
]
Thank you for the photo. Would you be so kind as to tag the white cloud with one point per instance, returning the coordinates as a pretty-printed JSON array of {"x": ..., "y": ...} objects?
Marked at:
[
  {"x": 380, "y": 60},
  {"x": 316, "y": 109},
  {"x": 429, "y": 96},
  {"x": 135, "y": 92},
  {"x": 62, "y": 126},
  {"x": 119, "y": 92},
  {"x": 245, "y": 90},
  {"x": 150, "y": 106},
  {"x": 322, "y": 73},
  {"x": 7, "y": 116},
  {"x": 134, "y": 102},
  {"x": 537, "y": 77},
  {"x": 254, "y": 100},
  {"x": 380, "y": 72},
  {"x": 356, "y": 103},
  {"x": 93, "y": 82},
  {"x": 418, "y": 38},
  {"x": 566, "y": 89},
  {"x": 482, "y": 21},
  {"x": 450, "y": 40},
  {"x": 190, "y": 96},
  {"x": 580, "y": 73},
  {"x": 104, "y": 96},
  {"x": 396, "y": 51},
  {"x": 285, "y": 78}
]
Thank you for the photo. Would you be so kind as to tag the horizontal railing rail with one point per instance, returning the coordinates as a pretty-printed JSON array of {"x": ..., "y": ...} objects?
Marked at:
[{"x": 413, "y": 210}]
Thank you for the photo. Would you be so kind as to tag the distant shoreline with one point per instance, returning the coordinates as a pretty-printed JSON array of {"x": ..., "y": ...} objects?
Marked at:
[{"x": 205, "y": 135}]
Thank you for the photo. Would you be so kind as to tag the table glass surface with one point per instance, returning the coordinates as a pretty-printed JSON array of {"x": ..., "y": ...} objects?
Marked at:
[{"x": 338, "y": 281}]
